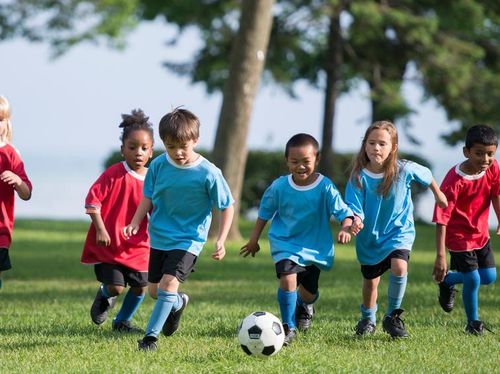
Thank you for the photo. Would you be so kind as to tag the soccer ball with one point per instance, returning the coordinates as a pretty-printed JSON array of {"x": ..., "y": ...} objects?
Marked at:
[{"x": 261, "y": 334}]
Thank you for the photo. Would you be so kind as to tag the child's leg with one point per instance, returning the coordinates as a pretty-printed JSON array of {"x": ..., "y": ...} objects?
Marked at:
[
  {"x": 287, "y": 298},
  {"x": 131, "y": 303},
  {"x": 397, "y": 284},
  {"x": 470, "y": 294},
  {"x": 488, "y": 275},
  {"x": 370, "y": 294}
]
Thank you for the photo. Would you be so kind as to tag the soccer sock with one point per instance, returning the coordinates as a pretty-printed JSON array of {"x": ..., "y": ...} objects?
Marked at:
[
  {"x": 488, "y": 275},
  {"x": 453, "y": 277},
  {"x": 178, "y": 303},
  {"x": 396, "y": 291},
  {"x": 369, "y": 313},
  {"x": 130, "y": 305},
  {"x": 160, "y": 312},
  {"x": 287, "y": 301},
  {"x": 470, "y": 295}
]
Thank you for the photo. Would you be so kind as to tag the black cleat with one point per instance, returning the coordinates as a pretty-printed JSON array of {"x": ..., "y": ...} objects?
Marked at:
[
  {"x": 147, "y": 344},
  {"x": 476, "y": 328},
  {"x": 303, "y": 316},
  {"x": 394, "y": 325},
  {"x": 100, "y": 307},
  {"x": 446, "y": 297},
  {"x": 126, "y": 327},
  {"x": 290, "y": 335},
  {"x": 365, "y": 327},
  {"x": 172, "y": 323}
]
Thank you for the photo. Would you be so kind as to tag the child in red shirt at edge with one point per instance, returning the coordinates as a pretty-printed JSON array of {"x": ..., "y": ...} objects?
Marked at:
[
  {"x": 13, "y": 178},
  {"x": 111, "y": 204},
  {"x": 462, "y": 227}
]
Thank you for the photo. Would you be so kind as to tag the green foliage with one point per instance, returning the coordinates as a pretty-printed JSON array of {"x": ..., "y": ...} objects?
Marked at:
[{"x": 46, "y": 327}]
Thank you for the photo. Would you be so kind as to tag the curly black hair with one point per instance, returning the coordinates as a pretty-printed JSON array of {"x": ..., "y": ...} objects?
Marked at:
[{"x": 136, "y": 120}]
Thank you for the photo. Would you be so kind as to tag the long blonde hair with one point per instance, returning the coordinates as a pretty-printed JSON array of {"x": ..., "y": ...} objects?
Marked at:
[
  {"x": 6, "y": 128},
  {"x": 390, "y": 164}
]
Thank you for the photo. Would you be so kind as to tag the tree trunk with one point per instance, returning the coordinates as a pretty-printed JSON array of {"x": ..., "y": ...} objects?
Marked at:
[
  {"x": 247, "y": 62},
  {"x": 332, "y": 68}
]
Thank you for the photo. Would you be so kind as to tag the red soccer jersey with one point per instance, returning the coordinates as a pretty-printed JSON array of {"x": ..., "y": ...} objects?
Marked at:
[
  {"x": 469, "y": 199},
  {"x": 116, "y": 195},
  {"x": 9, "y": 160}
]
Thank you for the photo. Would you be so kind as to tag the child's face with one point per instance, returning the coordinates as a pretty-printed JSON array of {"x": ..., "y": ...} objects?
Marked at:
[
  {"x": 378, "y": 147},
  {"x": 137, "y": 149},
  {"x": 479, "y": 157},
  {"x": 302, "y": 162},
  {"x": 182, "y": 153}
]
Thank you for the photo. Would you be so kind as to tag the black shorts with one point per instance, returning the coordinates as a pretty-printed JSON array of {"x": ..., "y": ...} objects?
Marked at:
[
  {"x": 468, "y": 261},
  {"x": 4, "y": 259},
  {"x": 375, "y": 271},
  {"x": 307, "y": 276},
  {"x": 175, "y": 262},
  {"x": 120, "y": 275}
]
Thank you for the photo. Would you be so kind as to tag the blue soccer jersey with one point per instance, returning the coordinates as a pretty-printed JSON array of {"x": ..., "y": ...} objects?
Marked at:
[
  {"x": 388, "y": 222},
  {"x": 183, "y": 198},
  {"x": 300, "y": 228}
]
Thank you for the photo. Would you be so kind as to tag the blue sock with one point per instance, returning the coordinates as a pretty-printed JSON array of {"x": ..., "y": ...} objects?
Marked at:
[
  {"x": 129, "y": 307},
  {"x": 104, "y": 291},
  {"x": 396, "y": 291},
  {"x": 160, "y": 312},
  {"x": 488, "y": 275},
  {"x": 370, "y": 313},
  {"x": 287, "y": 301},
  {"x": 453, "y": 277},
  {"x": 470, "y": 295}
]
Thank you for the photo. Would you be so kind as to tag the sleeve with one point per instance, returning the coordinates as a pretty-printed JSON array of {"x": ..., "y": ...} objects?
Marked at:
[
  {"x": 18, "y": 169},
  {"x": 149, "y": 181},
  {"x": 442, "y": 215},
  {"x": 495, "y": 186},
  {"x": 419, "y": 173},
  {"x": 219, "y": 191},
  {"x": 354, "y": 198},
  {"x": 337, "y": 207},
  {"x": 268, "y": 204},
  {"x": 98, "y": 193}
]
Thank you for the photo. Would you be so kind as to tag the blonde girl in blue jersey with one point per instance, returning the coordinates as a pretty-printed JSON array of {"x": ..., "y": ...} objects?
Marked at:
[{"x": 379, "y": 192}]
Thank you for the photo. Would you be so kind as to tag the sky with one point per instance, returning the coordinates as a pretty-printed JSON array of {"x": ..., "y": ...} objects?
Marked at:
[{"x": 66, "y": 113}]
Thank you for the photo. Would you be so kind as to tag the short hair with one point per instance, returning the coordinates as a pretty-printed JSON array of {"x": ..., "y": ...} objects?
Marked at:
[
  {"x": 480, "y": 134},
  {"x": 136, "y": 120},
  {"x": 180, "y": 125},
  {"x": 300, "y": 140}
]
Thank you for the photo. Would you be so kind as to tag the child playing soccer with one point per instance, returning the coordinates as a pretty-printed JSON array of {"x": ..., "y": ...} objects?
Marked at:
[
  {"x": 13, "y": 179},
  {"x": 111, "y": 203},
  {"x": 300, "y": 206},
  {"x": 181, "y": 188},
  {"x": 462, "y": 227},
  {"x": 379, "y": 191}
]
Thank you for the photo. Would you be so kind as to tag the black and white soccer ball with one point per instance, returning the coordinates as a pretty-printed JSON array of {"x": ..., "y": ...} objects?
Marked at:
[{"x": 261, "y": 334}]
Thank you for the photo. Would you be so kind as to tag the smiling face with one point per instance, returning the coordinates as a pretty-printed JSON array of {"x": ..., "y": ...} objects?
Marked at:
[
  {"x": 182, "y": 153},
  {"x": 378, "y": 148},
  {"x": 137, "y": 149},
  {"x": 302, "y": 162},
  {"x": 479, "y": 158}
]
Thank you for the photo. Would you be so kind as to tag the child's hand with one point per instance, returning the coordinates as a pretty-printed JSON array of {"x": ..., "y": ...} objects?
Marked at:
[
  {"x": 129, "y": 230},
  {"x": 219, "y": 252},
  {"x": 10, "y": 178},
  {"x": 251, "y": 248},
  {"x": 356, "y": 226},
  {"x": 440, "y": 269},
  {"x": 344, "y": 235},
  {"x": 441, "y": 200},
  {"x": 102, "y": 238}
]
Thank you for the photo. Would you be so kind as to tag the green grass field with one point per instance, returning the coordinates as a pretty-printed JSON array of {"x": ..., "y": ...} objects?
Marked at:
[{"x": 45, "y": 324}]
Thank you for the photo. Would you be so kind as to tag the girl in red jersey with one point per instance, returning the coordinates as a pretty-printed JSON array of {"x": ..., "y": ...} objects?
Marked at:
[
  {"x": 111, "y": 204},
  {"x": 12, "y": 178}
]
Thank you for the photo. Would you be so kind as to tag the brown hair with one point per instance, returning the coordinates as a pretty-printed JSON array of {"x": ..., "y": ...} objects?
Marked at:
[
  {"x": 390, "y": 164},
  {"x": 180, "y": 125}
]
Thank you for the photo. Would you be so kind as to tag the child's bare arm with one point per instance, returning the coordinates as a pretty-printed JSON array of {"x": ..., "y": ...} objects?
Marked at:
[
  {"x": 226, "y": 218},
  {"x": 17, "y": 183},
  {"x": 440, "y": 267},
  {"x": 496, "y": 207},
  {"x": 252, "y": 247},
  {"x": 102, "y": 236},
  {"x": 344, "y": 235},
  {"x": 144, "y": 207},
  {"x": 439, "y": 196}
]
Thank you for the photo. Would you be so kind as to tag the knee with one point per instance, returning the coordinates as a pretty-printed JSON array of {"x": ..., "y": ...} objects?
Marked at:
[
  {"x": 138, "y": 291},
  {"x": 488, "y": 275},
  {"x": 114, "y": 289}
]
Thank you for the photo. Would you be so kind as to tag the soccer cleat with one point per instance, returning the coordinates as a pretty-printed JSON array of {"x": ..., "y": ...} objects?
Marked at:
[
  {"x": 126, "y": 327},
  {"x": 290, "y": 335},
  {"x": 303, "y": 316},
  {"x": 394, "y": 325},
  {"x": 365, "y": 327},
  {"x": 476, "y": 328},
  {"x": 100, "y": 307},
  {"x": 172, "y": 323},
  {"x": 446, "y": 297},
  {"x": 147, "y": 344}
]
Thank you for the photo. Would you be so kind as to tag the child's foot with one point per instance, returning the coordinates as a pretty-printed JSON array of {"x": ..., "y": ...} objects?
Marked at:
[
  {"x": 303, "y": 316},
  {"x": 394, "y": 326},
  {"x": 147, "y": 344},
  {"x": 446, "y": 297},
  {"x": 172, "y": 323},
  {"x": 365, "y": 327},
  {"x": 290, "y": 335},
  {"x": 125, "y": 326},
  {"x": 476, "y": 328},
  {"x": 100, "y": 307}
]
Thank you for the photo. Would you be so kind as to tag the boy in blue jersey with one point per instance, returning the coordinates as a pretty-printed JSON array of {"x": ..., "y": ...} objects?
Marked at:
[
  {"x": 300, "y": 206},
  {"x": 180, "y": 190}
]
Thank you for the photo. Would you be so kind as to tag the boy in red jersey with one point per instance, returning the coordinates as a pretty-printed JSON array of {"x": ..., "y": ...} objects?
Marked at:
[
  {"x": 111, "y": 203},
  {"x": 462, "y": 227},
  {"x": 13, "y": 178}
]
